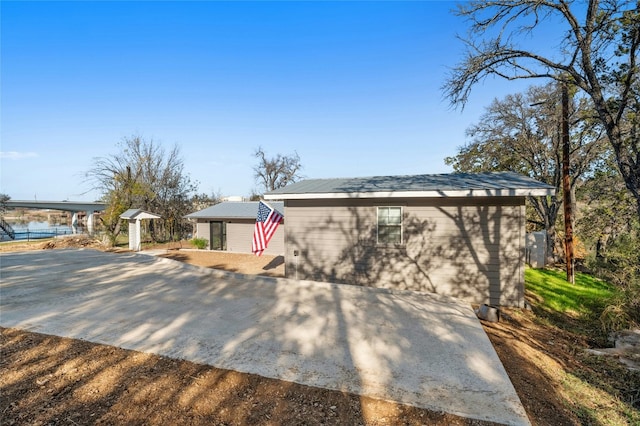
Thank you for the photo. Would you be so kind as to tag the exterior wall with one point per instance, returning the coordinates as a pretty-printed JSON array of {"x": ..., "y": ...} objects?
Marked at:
[
  {"x": 276, "y": 245},
  {"x": 240, "y": 235},
  {"x": 470, "y": 248},
  {"x": 202, "y": 230}
]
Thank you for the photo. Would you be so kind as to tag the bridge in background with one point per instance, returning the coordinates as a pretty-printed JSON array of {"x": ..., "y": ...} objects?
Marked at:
[{"x": 70, "y": 206}]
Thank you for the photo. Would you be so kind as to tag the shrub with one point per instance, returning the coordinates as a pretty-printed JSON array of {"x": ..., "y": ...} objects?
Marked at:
[
  {"x": 200, "y": 243},
  {"x": 621, "y": 267}
]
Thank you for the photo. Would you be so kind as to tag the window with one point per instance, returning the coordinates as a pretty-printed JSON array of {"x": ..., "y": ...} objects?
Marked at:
[{"x": 389, "y": 225}]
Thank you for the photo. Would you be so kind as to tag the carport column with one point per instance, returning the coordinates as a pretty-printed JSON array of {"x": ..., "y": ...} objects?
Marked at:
[
  {"x": 134, "y": 234},
  {"x": 138, "y": 235}
]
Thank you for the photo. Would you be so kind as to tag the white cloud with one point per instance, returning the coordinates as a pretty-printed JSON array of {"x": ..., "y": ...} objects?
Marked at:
[{"x": 15, "y": 155}]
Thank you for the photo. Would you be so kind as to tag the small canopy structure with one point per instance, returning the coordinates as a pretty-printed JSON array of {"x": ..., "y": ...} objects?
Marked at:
[{"x": 135, "y": 217}]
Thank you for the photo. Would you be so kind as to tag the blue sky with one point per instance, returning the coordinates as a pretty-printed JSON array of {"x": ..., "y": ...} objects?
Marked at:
[{"x": 352, "y": 87}]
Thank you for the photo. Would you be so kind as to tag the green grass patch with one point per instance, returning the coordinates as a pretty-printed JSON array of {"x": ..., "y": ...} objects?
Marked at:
[
  {"x": 599, "y": 391},
  {"x": 555, "y": 294}
]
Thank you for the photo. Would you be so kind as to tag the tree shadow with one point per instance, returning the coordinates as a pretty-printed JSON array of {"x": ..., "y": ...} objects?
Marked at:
[
  {"x": 350, "y": 339},
  {"x": 472, "y": 252},
  {"x": 92, "y": 384}
]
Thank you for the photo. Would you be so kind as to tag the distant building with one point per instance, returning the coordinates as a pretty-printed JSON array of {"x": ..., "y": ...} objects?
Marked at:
[
  {"x": 235, "y": 198},
  {"x": 229, "y": 226}
]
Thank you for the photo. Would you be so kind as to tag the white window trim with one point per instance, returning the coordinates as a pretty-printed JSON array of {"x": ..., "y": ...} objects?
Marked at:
[{"x": 383, "y": 243}]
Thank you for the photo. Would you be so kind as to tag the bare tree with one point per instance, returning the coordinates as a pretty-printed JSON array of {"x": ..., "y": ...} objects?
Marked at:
[
  {"x": 203, "y": 200},
  {"x": 599, "y": 57},
  {"x": 3, "y": 203},
  {"x": 143, "y": 175},
  {"x": 276, "y": 172}
]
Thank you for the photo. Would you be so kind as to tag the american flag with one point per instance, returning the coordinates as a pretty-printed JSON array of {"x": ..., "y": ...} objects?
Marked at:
[{"x": 266, "y": 224}]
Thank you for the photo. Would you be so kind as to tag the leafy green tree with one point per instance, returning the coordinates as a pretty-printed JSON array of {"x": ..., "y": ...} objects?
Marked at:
[
  {"x": 607, "y": 213},
  {"x": 520, "y": 133},
  {"x": 143, "y": 175},
  {"x": 621, "y": 266},
  {"x": 598, "y": 56},
  {"x": 611, "y": 229}
]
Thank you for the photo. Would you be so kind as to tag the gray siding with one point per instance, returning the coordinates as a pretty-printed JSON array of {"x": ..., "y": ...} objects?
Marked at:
[
  {"x": 276, "y": 245},
  {"x": 240, "y": 235},
  {"x": 471, "y": 248},
  {"x": 202, "y": 230}
]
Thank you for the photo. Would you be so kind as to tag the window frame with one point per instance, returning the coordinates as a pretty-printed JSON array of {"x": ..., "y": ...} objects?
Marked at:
[{"x": 400, "y": 225}]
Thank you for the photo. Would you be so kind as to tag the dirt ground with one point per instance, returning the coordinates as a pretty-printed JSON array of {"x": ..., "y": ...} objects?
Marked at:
[
  {"x": 48, "y": 380},
  {"x": 235, "y": 262}
]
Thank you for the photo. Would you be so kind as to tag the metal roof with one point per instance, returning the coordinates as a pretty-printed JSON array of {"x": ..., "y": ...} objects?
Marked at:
[
  {"x": 233, "y": 210},
  {"x": 138, "y": 214},
  {"x": 501, "y": 184}
]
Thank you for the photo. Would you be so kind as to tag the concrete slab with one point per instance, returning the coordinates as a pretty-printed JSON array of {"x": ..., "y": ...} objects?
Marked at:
[{"x": 419, "y": 349}]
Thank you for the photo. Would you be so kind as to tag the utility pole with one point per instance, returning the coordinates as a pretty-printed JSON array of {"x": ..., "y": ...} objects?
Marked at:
[{"x": 566, "y": 186}]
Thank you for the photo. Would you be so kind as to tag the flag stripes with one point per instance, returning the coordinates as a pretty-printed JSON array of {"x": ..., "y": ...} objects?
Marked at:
[{"x": 267, "y": 222}]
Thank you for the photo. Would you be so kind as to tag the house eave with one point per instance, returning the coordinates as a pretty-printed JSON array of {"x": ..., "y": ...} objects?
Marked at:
[{"x": 469, "y": 193}]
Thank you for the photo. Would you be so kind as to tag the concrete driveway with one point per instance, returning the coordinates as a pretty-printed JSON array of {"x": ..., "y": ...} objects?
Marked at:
[{"x": 423, "y": 350}]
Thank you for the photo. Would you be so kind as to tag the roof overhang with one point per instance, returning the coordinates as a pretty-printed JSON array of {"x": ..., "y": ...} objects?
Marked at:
[{"x": 469, "y": 193}]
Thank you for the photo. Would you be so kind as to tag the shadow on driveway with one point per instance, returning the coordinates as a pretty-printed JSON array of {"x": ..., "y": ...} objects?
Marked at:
[{"x": 417, "y": 349}]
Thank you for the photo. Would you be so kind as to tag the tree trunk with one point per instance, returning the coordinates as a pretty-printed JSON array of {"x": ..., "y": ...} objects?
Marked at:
[{"x": 551, "y": 244}]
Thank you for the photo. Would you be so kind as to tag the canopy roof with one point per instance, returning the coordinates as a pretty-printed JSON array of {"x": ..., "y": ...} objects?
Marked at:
[{"x": 138, "y": 214}]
